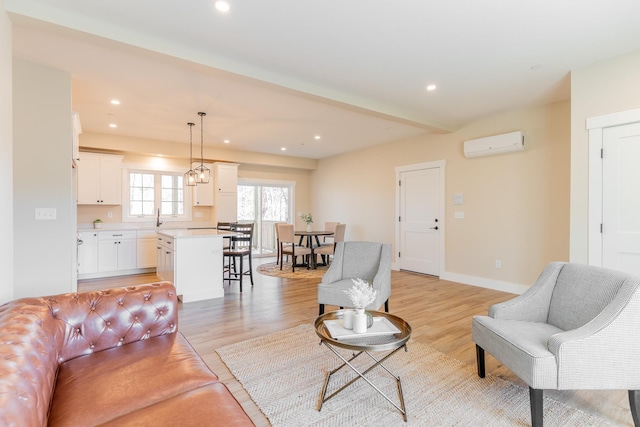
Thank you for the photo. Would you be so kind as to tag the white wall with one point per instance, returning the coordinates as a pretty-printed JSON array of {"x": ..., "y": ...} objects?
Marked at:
[
  {"x": 43, "y": 250},
  {"x": 6, "y": 159},
  {"x": 602, "y": 88}
]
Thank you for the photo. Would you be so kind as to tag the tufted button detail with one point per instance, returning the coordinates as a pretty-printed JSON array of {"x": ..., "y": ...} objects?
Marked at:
[
  {"x": 148, "y": 331},
  {"x": 171, "y": 325},
  {"x": 92, "y": 346},
  {"x": 146, "y": 298},
  {"x": 93, "y": 308},
  {"x": 136, "y": 318},
  {"x": 108, "y": 323},
  {"x": 122, "y": 339},
  {"x": 78, "y": 330}
]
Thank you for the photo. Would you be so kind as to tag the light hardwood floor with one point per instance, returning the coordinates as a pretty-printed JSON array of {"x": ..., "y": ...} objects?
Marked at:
[{"x": 439, "y": 312}]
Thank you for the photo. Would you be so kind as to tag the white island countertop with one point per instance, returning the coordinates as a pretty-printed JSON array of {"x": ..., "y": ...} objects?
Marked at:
[{"x": 180, "y": 233}]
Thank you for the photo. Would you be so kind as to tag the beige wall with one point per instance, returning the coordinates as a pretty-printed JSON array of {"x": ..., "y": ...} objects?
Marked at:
[
  {"x": 605, "y": 87},
  {"x": 516, "y": 205},
  {"x": 6, "y": 159},
  {"x": 44, "y": 251}
]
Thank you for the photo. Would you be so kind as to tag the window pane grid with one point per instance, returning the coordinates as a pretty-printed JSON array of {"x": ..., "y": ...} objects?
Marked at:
[{"x": 143, "y": 188}]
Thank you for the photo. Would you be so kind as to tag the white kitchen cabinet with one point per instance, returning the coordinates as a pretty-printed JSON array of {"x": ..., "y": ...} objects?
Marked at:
[
  {"x": 203, "y": 193},
  {"x": 192, "y": 261},
  {"x": 88, "y": 252},
  {"x": 226, "y": 191},
  {"x": 116, "y": 251},
  {"x": 165, "y": 258},
  {"x": 99, "y": 179},
  {"x": 146, "y": 248}
]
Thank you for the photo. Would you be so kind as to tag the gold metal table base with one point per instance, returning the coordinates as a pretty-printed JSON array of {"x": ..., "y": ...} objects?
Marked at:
[{"x": 362, "y": 375}]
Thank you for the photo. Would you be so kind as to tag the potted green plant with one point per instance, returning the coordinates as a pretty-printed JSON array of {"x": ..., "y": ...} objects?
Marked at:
[{"x": 97, "y": 223}]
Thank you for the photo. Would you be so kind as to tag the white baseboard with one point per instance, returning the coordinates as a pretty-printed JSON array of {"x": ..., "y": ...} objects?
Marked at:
[{"x": 482, "y": 282}]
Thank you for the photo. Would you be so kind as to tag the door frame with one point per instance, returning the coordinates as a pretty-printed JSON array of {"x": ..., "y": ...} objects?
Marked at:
[
  {"x": 595, "y": 127},
  {"x": 440, "y": 164}
]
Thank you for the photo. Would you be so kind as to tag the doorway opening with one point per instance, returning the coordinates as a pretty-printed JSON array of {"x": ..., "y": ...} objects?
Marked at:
[{"x": 264, "y": 204}]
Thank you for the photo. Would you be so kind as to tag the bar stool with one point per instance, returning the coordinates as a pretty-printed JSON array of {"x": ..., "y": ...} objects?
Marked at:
[{"x": 239, "y": 248}]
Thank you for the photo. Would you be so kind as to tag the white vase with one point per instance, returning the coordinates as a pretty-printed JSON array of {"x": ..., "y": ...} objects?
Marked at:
[
  {"x": 309, "y": 228},
  {"x": 347, "y": 319},
  {"x": 359, "y": 321}
]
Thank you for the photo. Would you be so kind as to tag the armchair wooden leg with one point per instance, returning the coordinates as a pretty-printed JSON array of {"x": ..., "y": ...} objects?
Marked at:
[
  {"x": 321, "y": 310},
  {"x": 480, "y": 361},
  {"x": 535, "y": 397},
  {"x": 634, "y": 403}
]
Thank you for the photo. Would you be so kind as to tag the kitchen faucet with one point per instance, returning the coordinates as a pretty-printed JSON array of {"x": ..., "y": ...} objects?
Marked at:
[{"x": 158, "y": 222}]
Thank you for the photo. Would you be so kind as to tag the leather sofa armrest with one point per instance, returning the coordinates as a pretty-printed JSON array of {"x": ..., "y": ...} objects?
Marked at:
[{"x": 100, "y": 320}]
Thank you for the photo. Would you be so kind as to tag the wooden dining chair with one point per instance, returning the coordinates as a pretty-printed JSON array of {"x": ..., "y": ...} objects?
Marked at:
[
  {"x": 329, "y": 250},
  {"x": 288, "y": 246}
]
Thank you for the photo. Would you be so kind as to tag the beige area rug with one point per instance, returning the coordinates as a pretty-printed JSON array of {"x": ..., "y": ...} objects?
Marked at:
[
  {"x": 283, "y": 373},
  {"x": 273, "y": 269}
]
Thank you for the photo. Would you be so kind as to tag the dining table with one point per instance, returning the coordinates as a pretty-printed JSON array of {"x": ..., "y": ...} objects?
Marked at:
[{"x": 310, "y": 235}]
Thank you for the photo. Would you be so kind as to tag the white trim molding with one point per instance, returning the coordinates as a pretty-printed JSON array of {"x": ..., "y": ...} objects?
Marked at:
[
  {"x": 482, "y": 282},
  {"x": 595, "y": 126}
]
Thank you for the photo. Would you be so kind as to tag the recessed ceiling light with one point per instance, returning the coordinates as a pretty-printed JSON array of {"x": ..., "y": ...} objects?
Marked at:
[
  {"x": 317, "y": 137},
  {"x": 222, "y": 6},
  {"x": 431, "y": 87},
  {"x": 226, "y": 141},
  {"x": 113, "y": 125},
  {"x": 283, "y": 149},
  {"x": 115, "y": 102}
]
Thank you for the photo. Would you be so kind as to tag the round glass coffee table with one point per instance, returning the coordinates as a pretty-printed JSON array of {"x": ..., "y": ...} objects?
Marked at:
[{"x": 389, "y": 333}]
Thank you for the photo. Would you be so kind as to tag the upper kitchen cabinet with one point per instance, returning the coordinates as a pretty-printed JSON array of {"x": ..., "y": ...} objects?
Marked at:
[
  {"x": 203, "y": 193},
  {"x": 99, "y": 179},
  {"x": 225, "y": 177}
]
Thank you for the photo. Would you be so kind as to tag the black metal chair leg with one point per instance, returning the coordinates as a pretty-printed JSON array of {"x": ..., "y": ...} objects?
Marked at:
[
  {"x": 321, "y": 310},
  {"x": 386, "y": 306},
  {"x": 634, "y": 404},
  {"x": 480, "y": 361},
  {"x": 250, "y": 270},
  {"x": 535, "y": 398}
]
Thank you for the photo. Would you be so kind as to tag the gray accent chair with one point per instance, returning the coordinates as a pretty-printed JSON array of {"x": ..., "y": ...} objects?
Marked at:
[
  {"x": 368, "y": 261},
  {"x": 577, "y": 327}
]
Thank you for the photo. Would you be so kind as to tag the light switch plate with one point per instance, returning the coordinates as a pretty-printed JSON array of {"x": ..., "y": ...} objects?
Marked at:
[
  {"x": 458, "y": 199},
  {"x": 458, "y": 214},
  {"x": 47, "y": 214}
]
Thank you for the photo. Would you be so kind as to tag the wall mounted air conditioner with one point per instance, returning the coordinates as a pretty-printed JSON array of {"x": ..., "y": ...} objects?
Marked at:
[{"x": 497, "y": 144}]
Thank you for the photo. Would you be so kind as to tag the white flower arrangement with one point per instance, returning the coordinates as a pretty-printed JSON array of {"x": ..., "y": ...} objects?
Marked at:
[
  {"x": 361, "y": 294},
  {"x": 307, "y": 218}
]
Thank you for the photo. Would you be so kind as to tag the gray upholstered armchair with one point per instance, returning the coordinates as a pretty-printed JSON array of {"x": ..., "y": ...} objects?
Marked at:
[
  {"x": 368, "y": 261},
  {"x": 577, "y": 327}
]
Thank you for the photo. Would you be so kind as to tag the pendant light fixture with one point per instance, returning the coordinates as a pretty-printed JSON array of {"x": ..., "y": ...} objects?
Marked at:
[
  {"x": 203, "y": 173},
  {"x": 190, "y": 176}
]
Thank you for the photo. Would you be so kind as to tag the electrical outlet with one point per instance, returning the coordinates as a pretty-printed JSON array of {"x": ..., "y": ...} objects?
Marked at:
[
  {"x": 498, "y": 263},
  {"x": 109, "y": 214},
  {"x": 198, "y": 214}
]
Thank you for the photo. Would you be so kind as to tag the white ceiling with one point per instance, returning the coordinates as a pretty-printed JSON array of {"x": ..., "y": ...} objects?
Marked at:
[{"x": 272, "y": 74}]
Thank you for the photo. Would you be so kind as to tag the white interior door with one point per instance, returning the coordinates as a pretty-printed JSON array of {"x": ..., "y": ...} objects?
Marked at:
[
  {"x": 420, "y": 222},
  {"x": 621, "y": 198}
]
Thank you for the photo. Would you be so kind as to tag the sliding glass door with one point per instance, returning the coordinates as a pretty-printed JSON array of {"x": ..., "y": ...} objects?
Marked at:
[{"x": 264, "y": 204}]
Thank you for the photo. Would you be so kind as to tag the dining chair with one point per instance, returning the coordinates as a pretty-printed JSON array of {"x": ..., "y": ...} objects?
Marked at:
[
  {"x": 240, "y": 247},
  {"x": 329, "y": 250},
  {"x": 288, "y": 246},
  {"x": 278, "y": 253},
  {"x": 329, "y": 226}
]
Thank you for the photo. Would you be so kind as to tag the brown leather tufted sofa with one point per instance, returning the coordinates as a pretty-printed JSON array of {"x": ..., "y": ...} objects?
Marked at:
[{"x": 112, "y": 357}]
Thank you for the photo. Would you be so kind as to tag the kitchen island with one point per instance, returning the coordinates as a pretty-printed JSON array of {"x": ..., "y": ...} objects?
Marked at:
[{"x": 192, "y": 260}]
